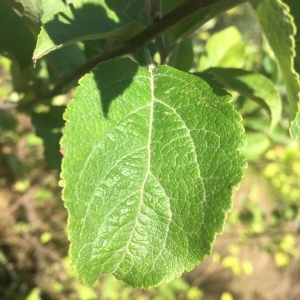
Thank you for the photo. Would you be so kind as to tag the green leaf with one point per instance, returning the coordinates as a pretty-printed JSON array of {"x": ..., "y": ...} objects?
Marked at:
[
  {"x": 29, "y": 10},
  {"x": 224, "y": 49},
  {"x": 150, "y": 162},
  {"x": 51, "y": 7},
  {"x": 85, "y": 20},
  {"x": 183, "y": 56},
  {"x": 253, "y": 86},
  {"x": 134, "y": 9},
  {"x": 66, "y": 59},
  {"x": 295, "y": 11},
  {"x": 15, "y": 37},
  {"x": 279, "y": 31},
  {"x": 185, "y": 28}
]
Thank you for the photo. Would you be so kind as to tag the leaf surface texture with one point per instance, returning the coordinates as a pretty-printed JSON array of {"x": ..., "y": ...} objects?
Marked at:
[
  {"x": 151, "y": 158},
  {"x": 279, "y": 30}
]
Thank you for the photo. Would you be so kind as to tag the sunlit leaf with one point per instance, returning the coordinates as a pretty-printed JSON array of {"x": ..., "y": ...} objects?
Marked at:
[
  {"x": 224, "y": 49},
  {"x": 253, "y": 86},
  {"x": 279, "y": 31},
  {"x": 151, "y": 158}
]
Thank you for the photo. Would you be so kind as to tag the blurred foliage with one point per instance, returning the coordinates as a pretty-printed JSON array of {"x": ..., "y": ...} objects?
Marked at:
[{"x": 283, "y": 170}]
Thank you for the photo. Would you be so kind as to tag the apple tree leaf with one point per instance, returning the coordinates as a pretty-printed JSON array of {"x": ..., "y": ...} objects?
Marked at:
[
  {"x": 279, "y": 29},
  {"x": 15, "y": 40},
  {"x": 151, "y": 158},
  {"x": 295, "y": 11},
  {"x": 29, "y": 11},
  {"x": 253, "y": 86},
  {"x": 225, "y": 49},
  {"x": 81, "y": 21}
]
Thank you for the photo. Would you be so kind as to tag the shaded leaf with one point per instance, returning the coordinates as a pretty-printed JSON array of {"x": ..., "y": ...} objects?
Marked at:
[
  {"x": 66, "y": 59},
  {"x": 253, "y": 86},
  {"x": 50, "y": 8},
  {"x": 191, "y": 24},
  {"x": 16, "y": 38},
  {"x": 49, "y": 128},
  {"x": 85, "y": 20},
  {"x": 183, "y": 56},
  {"x": 151, "y": 160},
  {"x": 135, "y": 9},
  {"x": 279, "y": 31},
  {"x": 295, "y": 12},
  {"x": 29, "y": 10}
]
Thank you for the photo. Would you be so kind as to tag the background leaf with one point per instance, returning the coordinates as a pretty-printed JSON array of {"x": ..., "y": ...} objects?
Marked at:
[
  {"x": 295, "y": 11},
  {"x": 224, "y": 49},
  {"x": 191, "y": 24},
  {"x": 135, "y": 9},
  {"x": 151, "y": 160},
  {"x": 85, "y": 20},
  {"x": 29, "y": 10},
  {"x": 48, "y": 127},
  {"x": 279, "y": 31},
  {"x": 16, "y": 38},
  {"x": 51, "y": 7},
  {"x": 253, "y": 86},
  {"x": 182, "y": 57}
]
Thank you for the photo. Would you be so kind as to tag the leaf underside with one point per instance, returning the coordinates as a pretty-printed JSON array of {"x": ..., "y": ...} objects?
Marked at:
[{"x": 151, "y": 160}]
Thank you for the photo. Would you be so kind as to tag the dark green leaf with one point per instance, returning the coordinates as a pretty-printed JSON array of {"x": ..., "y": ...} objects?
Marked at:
[
  {"x": 15, "y": 37},
  {"x": 29, "y": 10},
  {"x": 66, "y": 59},
  {"x": 295, "y": 12},
  {"x": 85, "y": 20},
  {"x": 183, "y": 56},
  {"x": 49, "y": 128},
  {"x": 190, "y": 25}
]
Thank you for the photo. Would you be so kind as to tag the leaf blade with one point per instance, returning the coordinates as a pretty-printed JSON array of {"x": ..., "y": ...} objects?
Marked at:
[
  {"x": 29, "y": 11},
  {"x": 17, "y": 39},
  {"x": 85, "y": 20},
  {"x": 253, "y": 86},
  {"x": 281, "y": 25},
  {"x": 295, "y": 11},
  {"x": 143, "y": 181}
]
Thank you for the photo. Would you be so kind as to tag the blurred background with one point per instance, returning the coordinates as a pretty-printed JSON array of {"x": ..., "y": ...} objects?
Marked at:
[{"x": 257, "y": 256}]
